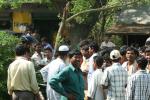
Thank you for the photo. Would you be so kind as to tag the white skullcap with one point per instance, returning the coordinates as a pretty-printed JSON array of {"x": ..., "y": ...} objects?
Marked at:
[{"x": 63, "y": 48}]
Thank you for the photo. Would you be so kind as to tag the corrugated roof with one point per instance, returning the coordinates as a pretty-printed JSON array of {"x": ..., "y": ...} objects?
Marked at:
[{"x": 129, "y": 29}]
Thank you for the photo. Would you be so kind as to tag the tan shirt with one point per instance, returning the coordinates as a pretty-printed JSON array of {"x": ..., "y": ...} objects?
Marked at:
[{"x": 21, "y": 76}]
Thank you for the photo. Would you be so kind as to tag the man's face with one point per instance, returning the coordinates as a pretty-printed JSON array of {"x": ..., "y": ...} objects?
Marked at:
[
  {"x": 130, "y": 55},
  {"x": 90, "y": 51},
  {"x": 85, "y": 53},
  {"x": 76, "y": 60},
  {"x": 147, "y": 56},
  {"x": 38, "y": 48},
  {"x": 48, "y": 53}
]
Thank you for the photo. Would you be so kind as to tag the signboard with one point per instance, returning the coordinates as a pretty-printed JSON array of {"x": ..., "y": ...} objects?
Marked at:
[{"x": 21, "y": 19}]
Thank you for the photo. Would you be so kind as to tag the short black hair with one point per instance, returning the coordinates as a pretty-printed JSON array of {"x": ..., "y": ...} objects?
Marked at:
[
  {"x": 98, "y": 60},
  {"x": 73, "y": 52},
  {"x": 83, "y": 43},
  {"x": 94, "y": 46},
  {"x": 142, "y": 61},
  {"x": 133, "y": 49},
  {"x": 48, "y": 48},
  {"x": 123, "y": 50},
  {"x": 37, "y": 44},
  {"x": 20, "y": 50},
  {"x": 142, "y": 49},
  {"x": 85, "y": 47},
  {"x": 147, "y": 49}
]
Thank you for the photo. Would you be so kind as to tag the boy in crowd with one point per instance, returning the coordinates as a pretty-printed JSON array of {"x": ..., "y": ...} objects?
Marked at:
[
  {"x": 95, "y": 91},
  {"x": 138, "y": 87}
]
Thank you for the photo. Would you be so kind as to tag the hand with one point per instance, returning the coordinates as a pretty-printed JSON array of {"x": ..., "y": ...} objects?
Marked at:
[
  {"x": 71, "y": 97},
  {"x": 39, "y": 96}
]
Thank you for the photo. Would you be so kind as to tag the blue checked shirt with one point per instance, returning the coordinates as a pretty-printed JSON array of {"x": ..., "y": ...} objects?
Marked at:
[
  {"x": 138, "y": 87},
  {"x": 115, "y": 77}
]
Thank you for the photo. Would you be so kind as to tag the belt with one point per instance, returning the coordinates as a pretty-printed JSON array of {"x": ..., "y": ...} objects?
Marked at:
[{"x": 22, "y": 91}]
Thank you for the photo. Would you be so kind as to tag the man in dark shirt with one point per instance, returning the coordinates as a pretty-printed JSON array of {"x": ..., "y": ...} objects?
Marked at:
[{"x": 70, "y": 78}]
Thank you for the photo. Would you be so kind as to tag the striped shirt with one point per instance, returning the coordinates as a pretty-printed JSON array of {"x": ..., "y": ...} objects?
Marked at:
[
  {"x": 115, "y": 77},
  {"x": 138, "y": 87}
]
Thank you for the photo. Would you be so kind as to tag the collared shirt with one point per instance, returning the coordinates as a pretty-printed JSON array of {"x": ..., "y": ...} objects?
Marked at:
[
  {"x": 71, "y": 81},
  {"x": 37, "y": 59},
  {"x": 138, "y": 87},
  {"x": 21, "y": 76},
  {"x": 91, "y": 69},
  {"x": 95, "y": 90},
  {"x": 115, "y": 77},
  {"x": 48, "y": 72},
  {"x": 132, "y": 69}
]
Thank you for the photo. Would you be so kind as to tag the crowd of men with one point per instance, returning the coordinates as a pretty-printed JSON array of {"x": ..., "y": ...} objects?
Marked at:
[{"x": 91, "y": 72}]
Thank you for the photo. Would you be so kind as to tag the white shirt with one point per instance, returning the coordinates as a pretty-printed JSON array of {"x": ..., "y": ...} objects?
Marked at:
[
  {"x": 91, "y": 69},
  {"x": 95, "y": 90},
  {"x": 37, "y": 59},
  {"x": 48, "y": 72},
  {"x": 108, "y": 44}
]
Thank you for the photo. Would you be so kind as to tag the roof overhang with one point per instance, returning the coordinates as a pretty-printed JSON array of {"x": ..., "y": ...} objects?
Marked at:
[{"x": 129, "y": 30}]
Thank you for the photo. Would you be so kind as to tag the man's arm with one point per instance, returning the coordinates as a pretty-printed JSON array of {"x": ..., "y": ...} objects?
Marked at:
[
  {"x": 55, "y": 81},
  {"x": 9, "y": 82}
]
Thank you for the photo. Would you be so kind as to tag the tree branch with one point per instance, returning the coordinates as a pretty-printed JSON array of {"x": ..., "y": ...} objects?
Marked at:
[{"x": 98, "y": 9}]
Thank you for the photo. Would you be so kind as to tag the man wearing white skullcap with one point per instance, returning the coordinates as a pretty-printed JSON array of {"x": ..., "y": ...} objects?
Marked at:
[{"x": 52, "y": 68}]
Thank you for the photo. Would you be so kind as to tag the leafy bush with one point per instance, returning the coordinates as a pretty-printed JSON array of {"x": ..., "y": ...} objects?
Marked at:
[{"x": 7, "y": 44}]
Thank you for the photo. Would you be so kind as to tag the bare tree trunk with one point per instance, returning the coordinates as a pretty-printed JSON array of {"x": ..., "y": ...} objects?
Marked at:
[{"x": 61, "y": 27}]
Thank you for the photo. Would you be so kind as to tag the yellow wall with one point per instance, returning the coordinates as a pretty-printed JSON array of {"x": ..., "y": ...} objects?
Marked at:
[{"x": 21, "y": 18}]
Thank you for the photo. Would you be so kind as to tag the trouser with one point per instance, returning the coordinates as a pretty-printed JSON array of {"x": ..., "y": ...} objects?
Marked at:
[{"x": 23, "y": 95}]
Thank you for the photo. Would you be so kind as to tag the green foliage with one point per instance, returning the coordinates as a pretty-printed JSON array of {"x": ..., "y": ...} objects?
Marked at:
[
  {"x": 117, "y": 40},
  {"x": 17, "y": 3},
  {"x": 80, "y": 5},
  {"x": 7, "y": 44}
]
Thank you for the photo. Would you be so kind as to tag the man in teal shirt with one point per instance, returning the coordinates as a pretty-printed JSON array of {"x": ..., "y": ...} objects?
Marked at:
[{"x": 69, "y": 82}]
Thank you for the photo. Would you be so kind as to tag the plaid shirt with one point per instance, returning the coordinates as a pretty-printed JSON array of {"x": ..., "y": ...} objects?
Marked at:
[
  {"x": 138, "y": 87},
  {"x": 115, "y": 77}
]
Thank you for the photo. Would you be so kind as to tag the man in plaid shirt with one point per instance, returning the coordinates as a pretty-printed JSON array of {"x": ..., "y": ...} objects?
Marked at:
[
  {"x": 115, "y": 78},
  {"x": 138, "y": 87}
]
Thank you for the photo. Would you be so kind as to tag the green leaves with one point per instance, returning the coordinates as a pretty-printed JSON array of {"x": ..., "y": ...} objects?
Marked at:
[
  {"x": 80, "y": 5},
  {"x": 7, "y": 45}
]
